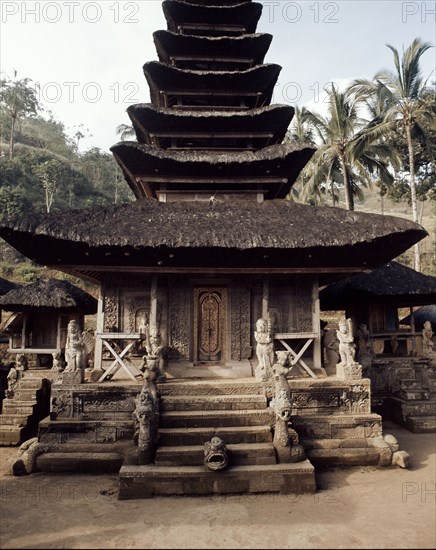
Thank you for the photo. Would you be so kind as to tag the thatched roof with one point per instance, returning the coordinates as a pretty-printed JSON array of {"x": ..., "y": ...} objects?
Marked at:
[
  {"x": 256, "y": 84},
  {"x": 391, "y": 283},
  {"x": 245, "y": 15},
  {"x": 49, "y": 294},
  {"x": 272, "y": 122},
  {"x": 271, "y": 170},
  {"x": 421, "y": 315},
  {"x": 250, "y": 47},
  {"x": 225, "y": 235},
  {"x": 6, "y": 286}
]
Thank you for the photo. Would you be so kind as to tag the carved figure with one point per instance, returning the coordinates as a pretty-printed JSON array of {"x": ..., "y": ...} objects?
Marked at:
[
  {"x": 347, "y": 347},
  {"x": 331, "y": 347},
  {"x": 21, "y": 363},
  {"x": 264, "y": 350},
  {"x": 154, "y": 346},
  {"x": 364, "y": 346},
  {"x": 216, "y": 456},
  {"x": 286, "y": 441},
  {"x": 12, "y": 379},
  {"x": 58, "y": 362},
  {"x": 146, "y": 417},
  {"x": 75, "y": 354},
  {"x": 427, "y": 342}
]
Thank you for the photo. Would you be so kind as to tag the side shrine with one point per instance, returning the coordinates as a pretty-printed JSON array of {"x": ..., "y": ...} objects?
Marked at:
[{"x": 208, "y": 327}]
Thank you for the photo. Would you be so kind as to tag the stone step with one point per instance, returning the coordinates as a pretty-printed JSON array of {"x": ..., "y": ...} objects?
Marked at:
[
  {"x": 147, "y": 481},
  {"x": 13, "y": 419},
  {"x": 213, "y": 402},
  {"x": 10, "y": 435},
  {"x": 343, "y": 456},
  {"x": 30, "y": 383},
  {"x": 421, "y": 424},
  {"x": 10, "y": 406},
  {"x": 197, "y": 419},
  {"x": 198, "y": 436},
  {"x": 98, "y": 463},
  {"x": 239, "y": 454},
  {"x": 215, "y": 387},
  {"x": 38, "y": 374},
  {"x": 25, "y": 394}
]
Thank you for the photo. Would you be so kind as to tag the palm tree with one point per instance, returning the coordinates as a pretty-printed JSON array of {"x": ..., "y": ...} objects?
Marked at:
[
  {"x": 125, "y": 131},
  {"x": 345, "y": 157},
  {"x": 301, "y": 133},
  {"x": 400, "y": 95}
]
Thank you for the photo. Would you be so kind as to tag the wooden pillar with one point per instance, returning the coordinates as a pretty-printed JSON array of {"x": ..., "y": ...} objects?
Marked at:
[
  {"x": 58, "y": 332},
  {"x": 23, "y": 331},
  {"x": 153, "y": 302},
  {"x": 316, "y": 319},
  {"x": 265, "y": 298},
  {"x": 98, "y": 351},
  {"x": 412, "y": 329}
]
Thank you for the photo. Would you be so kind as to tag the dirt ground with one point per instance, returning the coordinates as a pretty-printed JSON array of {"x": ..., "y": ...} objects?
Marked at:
[{"x": 354, "y": 508}]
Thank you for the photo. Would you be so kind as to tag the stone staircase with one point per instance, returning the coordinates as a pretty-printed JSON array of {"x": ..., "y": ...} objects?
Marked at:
[
  {"x": 30, "y": 403},
  {"x": 192, "y": 412},
  {"x": 409, "y": 393}
]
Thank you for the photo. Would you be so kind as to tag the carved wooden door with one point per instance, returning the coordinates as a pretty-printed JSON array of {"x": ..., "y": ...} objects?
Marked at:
[{"x": 209, "y": 324}]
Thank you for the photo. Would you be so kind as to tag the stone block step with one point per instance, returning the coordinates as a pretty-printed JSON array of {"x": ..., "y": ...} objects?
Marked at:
[
  {"x": 197, "y": 419},
  {"x": 215, "y": 387},
  {"x": 25, "y": 394},
  {"x": 97, "y": 463},
  {"x": 342, "y": 456},
  {"x": 421, "y": 424},
  {"x": 10, "y": 435},
  {"x": 30, "y": 383},
  {"x": 13, "y": 419},
  {"x": 147, "y": 481},
  {"x": 10, "y": 406},
  {"x": 198, "y": 436},
  {"x": 213, "y": 402},
  {"x": 38, "y": 374},
  {"x": 239, "y": 454}
]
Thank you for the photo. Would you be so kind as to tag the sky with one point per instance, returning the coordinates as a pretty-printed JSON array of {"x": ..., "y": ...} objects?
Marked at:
[{"x": 86, "y": 57}]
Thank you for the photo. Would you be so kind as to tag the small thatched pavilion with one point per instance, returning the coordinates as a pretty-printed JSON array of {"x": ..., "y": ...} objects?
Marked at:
[
  {"x": 375, "y": 298},
  {"x": 41, "y": 313}
]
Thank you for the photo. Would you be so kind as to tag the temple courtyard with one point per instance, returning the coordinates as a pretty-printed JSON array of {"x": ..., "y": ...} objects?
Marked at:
[{"x": 358, "y": 507}]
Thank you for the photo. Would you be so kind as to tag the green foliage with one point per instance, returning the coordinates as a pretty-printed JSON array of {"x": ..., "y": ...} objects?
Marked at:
[{"x": 17, "y": 100}]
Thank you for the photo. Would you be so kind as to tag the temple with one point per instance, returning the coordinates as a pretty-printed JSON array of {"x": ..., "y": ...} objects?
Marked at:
[{"x": 210, "y": 248}]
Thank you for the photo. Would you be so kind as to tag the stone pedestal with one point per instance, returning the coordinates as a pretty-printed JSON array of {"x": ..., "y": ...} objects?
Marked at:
[
  {"x": 73, "y": 377},
  {"x": 349, "y": 372}
]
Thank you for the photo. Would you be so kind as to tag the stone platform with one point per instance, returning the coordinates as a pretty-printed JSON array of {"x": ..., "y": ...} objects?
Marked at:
[
  {"x": 91, "y": 421},
  {"x": 404, "y": 391},
  {"x": 28, "y": 405}
]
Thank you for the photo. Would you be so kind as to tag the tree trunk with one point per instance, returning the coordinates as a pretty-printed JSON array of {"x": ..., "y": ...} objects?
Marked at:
[
  {"x": 413, "y": 190},
  {"x": 349, "y": 202},
  {"x": 12, "y": 140}
]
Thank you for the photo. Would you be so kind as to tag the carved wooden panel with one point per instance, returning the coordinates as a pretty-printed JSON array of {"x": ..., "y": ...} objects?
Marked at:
[
  {"x": 111, "y": 309},
  {"x": 180, "y": 323},
  {"x": 209, "y": 324},
  {"x": 240, "y": 347},
  {"x": 304, "y": 306}
]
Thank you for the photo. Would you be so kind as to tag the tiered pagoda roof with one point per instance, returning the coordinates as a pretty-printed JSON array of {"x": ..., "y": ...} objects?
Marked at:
[{"x": 210, "y": 128}]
